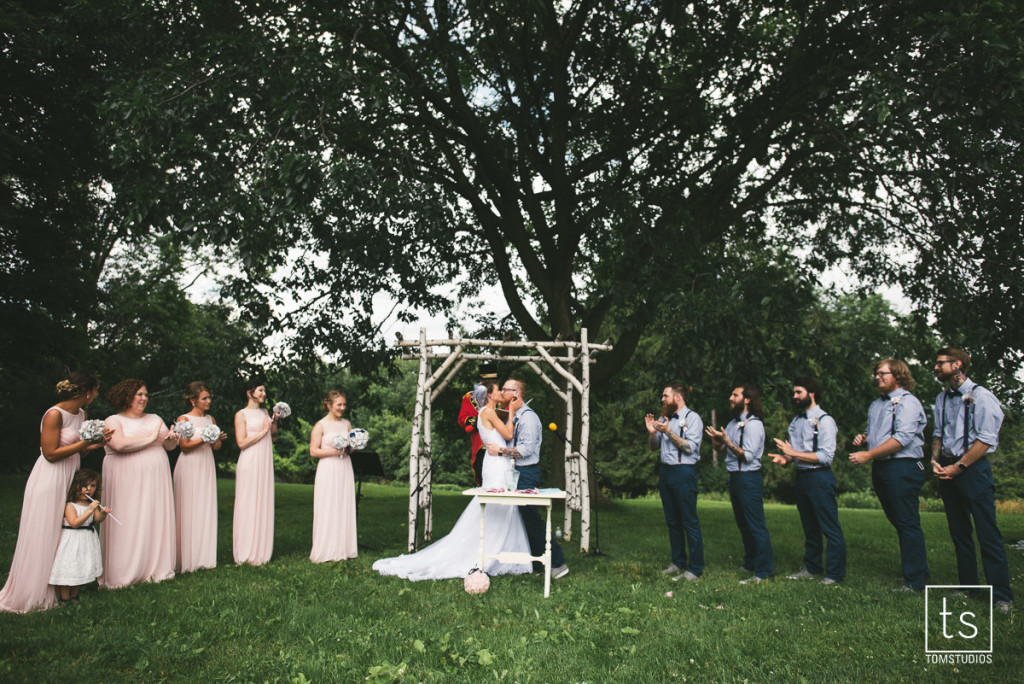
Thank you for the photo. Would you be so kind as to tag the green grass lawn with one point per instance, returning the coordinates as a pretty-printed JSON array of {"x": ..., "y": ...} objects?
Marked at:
[{"x": 609, "y": 620}]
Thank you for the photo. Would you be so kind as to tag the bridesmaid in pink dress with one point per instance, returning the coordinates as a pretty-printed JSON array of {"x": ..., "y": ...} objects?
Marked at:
[
  {"x": 334, "y": 496},
  {"x": 137, "y": 480},
  {"x": 253, "y": 525},
  {"x": 195, "y": 487},
  {"x": 60, "y": 450}
]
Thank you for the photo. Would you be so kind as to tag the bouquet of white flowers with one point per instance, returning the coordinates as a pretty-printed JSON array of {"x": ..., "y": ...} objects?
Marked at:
[
  {"x": 91, "y": 431},
  {"x": 340, "y": 441},
  {"x": 210, "y": 434},
  {"x": 185, "y": 429},
  {"x": 282, "y": 409},
  {"x": 359, "y": 438}
]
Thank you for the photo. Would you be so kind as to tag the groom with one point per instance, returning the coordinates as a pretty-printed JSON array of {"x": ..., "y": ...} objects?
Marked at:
[{"x": 525, "y": 449}]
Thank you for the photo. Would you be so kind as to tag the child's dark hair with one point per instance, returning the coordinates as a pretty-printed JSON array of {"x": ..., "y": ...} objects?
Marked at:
[{"x": 81, "y": 479}]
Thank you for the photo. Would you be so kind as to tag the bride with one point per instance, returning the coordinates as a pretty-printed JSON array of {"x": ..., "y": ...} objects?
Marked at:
[{"x": 459, "y": 552}]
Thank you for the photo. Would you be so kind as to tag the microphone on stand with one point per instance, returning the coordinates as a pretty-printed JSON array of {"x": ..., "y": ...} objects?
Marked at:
[
  {"x": 597, "y": 524},
  {"x": 554, "y": 428}
]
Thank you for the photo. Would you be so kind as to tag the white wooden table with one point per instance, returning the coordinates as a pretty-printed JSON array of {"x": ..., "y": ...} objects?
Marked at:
[{"x": 518, "y": 499}]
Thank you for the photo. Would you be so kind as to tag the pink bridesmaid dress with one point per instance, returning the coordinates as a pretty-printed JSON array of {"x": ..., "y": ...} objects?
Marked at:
[
  {"x": 195, "y": 504},
  {"x": 253, "y": 526},
  {"x": 334, "y": 502},
  {"x": 42, "y": 512},
  {"x": 137, "y": 488}
]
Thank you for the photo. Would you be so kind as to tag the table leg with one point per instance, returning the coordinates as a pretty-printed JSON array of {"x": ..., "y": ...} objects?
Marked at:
[
  {"x": 547, "y": 552},
  {"x": 483, "y": 551}
]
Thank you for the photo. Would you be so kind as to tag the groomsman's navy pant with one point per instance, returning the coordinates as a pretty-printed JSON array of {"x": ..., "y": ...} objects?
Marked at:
[
  {"x": 898, "y": 484},
  {"x": 678, "y": 486},
  {"x": 746, "y": 490},
  {"x": 819, "y": 514},
  {"x": 971, "y": 495}
]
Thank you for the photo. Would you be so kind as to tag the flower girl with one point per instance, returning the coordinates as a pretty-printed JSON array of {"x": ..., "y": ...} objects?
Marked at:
[{"x": 78, "y": 559}]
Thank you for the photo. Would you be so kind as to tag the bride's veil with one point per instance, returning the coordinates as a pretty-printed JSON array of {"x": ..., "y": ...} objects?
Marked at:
[{"x": 480, "y": 395}]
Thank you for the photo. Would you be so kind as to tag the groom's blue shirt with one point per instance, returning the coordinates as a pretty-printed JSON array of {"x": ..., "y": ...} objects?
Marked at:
[{"x": 527, "y": 436}]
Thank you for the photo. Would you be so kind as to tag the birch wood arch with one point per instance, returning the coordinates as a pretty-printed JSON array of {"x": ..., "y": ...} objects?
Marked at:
[{"x": 570, "y": 363}]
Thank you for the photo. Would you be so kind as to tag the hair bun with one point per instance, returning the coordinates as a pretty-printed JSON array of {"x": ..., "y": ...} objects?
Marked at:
[{"x": 67, "y": 389}]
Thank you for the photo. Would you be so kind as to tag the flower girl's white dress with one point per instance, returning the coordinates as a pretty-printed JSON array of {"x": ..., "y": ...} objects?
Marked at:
[
  {"x": 459, "y": 552},
  {"x": 78, "y": 560}
]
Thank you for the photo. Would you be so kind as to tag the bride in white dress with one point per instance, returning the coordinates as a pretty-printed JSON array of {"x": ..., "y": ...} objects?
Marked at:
[{"x": 459, "y": 552}]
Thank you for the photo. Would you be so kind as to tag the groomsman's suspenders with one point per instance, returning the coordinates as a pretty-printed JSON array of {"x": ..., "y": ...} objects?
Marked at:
[
  {"x": 814, "y": 442},
  {"x": 892, "y": 428},
  {"x": 742, "y": 459},
  {"x": 682, "y": 435},
  {"x": 967, "y": 418}
]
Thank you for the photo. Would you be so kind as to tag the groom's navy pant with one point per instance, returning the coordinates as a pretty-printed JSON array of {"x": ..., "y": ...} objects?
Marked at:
[{"x": 529, "y": 476}]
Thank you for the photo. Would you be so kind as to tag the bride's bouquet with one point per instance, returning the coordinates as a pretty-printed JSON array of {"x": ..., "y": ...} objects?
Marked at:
[
  {"x": 91, "y": 431},
  {"x": 282, "y": 409},
  {"x": 340, "y": 441},
  {"x": 210, "y": 434},
  {"x": 359, "y": 438},
  {"x": 185, "y": 429}
]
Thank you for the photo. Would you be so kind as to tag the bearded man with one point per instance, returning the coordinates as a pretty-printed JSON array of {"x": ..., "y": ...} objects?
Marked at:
[{"x": 677, "y": 434}]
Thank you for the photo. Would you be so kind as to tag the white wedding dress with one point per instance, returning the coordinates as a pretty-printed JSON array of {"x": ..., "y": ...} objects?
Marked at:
[{"x": 459, "y": 552}]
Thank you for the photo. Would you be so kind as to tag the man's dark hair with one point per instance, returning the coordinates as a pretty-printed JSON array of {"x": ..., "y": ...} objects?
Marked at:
[
  {"x": 811, "y": 385},
  {"x": 754, "y": 407},
  {"x": 958, "y": 355}
]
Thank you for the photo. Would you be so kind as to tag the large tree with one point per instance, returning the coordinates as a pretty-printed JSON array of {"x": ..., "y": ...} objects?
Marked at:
[
  {"x": 589, "y": 156},
  {"x": 582, "y": 154}
]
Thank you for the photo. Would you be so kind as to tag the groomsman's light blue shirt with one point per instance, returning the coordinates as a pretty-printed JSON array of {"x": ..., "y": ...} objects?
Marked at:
[
  {"x": 752, "y": 432},
  {"x": 984, "y": 415},
  {"x": 689, "y": 425},
  {"x": 801, "y": 436},
  {"x": 899, "y": 415}
]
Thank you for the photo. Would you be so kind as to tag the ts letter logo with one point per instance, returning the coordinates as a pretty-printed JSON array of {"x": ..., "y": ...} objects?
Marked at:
[{"x": 958, "y": 619}]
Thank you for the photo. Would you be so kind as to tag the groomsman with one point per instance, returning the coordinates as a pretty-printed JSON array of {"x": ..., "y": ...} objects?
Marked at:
[
  {"x": 967, "y": 421},
  {"x": 677, "y": 435},
  {"x": 895, "y": 441},
  {"x": 743, "y": 441},
  {"x": 812, "y": 446}
]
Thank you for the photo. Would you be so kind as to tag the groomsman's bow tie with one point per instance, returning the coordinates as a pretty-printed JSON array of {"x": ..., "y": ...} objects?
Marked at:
[
  {"x": 802, "y": 414},
  {"x": 953, "y": 392},
  {"x": 673, "y": 416}
]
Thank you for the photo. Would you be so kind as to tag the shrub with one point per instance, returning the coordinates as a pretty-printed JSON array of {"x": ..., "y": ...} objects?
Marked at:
[{"x": 861, "y": 499}]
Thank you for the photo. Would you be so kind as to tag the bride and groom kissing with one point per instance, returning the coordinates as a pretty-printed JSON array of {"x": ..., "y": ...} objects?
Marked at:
[{"x": 513, "y": 443}]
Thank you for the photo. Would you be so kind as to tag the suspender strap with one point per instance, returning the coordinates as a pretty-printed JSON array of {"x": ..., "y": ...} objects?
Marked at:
[
  {"x": 967, "y": 422},
  {"x": 740, "y": 460},
  {"x": 967, "y": 426},
  {"x": 679, "y": 451},
  {"x": 814, "y": 442}
]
